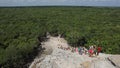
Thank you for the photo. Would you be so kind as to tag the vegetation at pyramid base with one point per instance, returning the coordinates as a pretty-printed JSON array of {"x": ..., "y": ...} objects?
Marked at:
[{"x": 20, "y": 29}]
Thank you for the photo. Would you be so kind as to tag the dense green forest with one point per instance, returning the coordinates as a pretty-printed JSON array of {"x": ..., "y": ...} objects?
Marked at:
[{"x": 20, "y": 29}]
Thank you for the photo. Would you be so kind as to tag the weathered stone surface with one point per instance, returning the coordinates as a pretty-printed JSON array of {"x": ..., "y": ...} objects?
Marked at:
[
  {"x": 115, "y": 59},
  {"x": 63, "y": 59},
  {"x": 66, "y": 59},
  {"x": 59, "y": 58}
]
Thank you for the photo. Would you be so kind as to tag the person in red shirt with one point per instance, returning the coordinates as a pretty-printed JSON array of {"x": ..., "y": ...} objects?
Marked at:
[
  {"x": 90, "y": 51},
  {"x": 99, "y": 49}
]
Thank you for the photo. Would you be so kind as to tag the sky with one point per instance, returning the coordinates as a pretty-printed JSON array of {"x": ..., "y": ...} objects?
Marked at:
[{"x": 60, "y": 2}]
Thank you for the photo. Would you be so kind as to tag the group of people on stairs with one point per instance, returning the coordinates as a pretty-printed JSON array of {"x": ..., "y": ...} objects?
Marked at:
[{"x": 91, "y": 51}]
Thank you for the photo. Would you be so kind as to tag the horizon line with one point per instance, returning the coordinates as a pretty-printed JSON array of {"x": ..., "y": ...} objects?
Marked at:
[{"x": 56, "y": 6}]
